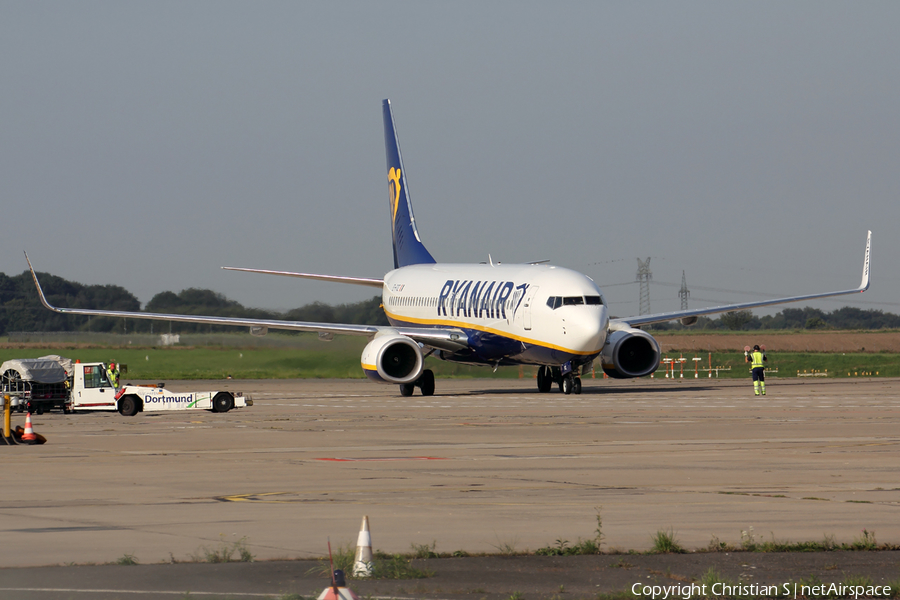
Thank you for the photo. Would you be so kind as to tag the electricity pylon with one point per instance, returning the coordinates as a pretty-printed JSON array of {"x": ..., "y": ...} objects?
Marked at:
[
  {"x": 644, "y": 275},
  {"x": 683, "y": 293}
]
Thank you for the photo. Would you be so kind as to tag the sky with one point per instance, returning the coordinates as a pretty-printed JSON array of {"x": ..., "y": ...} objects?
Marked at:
[{"x": 749, "y": 145}]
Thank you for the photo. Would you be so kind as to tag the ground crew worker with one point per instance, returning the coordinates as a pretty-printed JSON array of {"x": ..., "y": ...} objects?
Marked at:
[
  {"x": 112, "y": 373},
  {"x": 757, "y": 358}
]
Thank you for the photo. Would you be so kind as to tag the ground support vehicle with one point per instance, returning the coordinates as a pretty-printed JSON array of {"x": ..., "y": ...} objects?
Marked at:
[
  {"x": 92, "y": 390},
  {"x": 132, "y": 399},
  {"x": 56, "y": 382}
]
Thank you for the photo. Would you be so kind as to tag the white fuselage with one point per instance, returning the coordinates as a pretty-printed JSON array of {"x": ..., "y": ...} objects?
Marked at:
[{"x": 513, "y": 314}]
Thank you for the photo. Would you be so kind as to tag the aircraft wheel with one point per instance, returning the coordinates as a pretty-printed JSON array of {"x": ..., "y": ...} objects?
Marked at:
[
  {"x": 407, "y": 389},
  {"x": 566, "y": 385},
  {"x": 544, "y": 379},
  {"x": 576, "y": 386},
  {"x": 426, "y": 382}
]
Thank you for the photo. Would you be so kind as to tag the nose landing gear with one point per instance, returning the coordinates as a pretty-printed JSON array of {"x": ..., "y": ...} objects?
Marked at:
[{"x": 569, "y": 383}]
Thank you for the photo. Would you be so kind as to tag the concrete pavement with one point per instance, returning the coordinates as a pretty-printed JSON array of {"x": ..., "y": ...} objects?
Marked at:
[{"x": 482, "y": 466}]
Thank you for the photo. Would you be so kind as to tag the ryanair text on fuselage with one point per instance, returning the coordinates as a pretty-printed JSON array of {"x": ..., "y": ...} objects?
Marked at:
[{"x": 479, "y": 299}]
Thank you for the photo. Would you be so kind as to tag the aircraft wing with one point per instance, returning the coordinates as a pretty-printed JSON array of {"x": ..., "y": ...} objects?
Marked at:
[
  {"x": 446, "y": 339},
  {"x": 671, "y": 316},
  {"x": 378, "y": 283}
]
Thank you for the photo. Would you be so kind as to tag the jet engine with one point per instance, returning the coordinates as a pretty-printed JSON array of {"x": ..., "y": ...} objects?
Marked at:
[
  {"x": 629, "y": 353},
  {"x": 392, "y": 359}
]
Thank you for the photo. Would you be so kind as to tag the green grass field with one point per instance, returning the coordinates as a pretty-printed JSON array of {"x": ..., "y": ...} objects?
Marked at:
[{"x": 304, "y": 356}]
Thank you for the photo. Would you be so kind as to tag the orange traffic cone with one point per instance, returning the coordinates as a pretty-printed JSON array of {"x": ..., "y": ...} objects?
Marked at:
[{"x": 28, "y": 436}]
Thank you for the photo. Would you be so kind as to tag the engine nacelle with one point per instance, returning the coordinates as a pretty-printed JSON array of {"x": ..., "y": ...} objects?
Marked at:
[
  {"x": 392, "y": 359},
  {"x": 688, "y": 320},
  {"x": 629, "y": 353}
]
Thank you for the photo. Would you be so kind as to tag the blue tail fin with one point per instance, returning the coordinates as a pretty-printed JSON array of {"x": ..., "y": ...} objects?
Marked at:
[{"x": 408, "y": 249}]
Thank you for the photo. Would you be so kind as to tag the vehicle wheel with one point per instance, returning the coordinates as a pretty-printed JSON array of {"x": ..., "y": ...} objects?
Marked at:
[
  {"x": 426, "y": 382},
  {"x": 128, "y": 406},
  {"x": 576, "y": 386},
  {"x": 566, "y": 385},
  {"x": 544, "y": 379},
  {"x": 407, "y": 389},
  {"x": 223, "y": 402}
]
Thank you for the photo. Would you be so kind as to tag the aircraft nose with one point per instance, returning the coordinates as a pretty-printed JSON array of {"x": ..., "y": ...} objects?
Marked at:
[{"x": 588, "y": 329}]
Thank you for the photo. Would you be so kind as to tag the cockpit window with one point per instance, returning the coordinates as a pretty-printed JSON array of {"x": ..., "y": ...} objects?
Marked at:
[{"x": 555, "y": 302}]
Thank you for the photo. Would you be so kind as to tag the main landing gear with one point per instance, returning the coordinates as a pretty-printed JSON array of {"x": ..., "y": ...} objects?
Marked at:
[
  {"x": 570, "y": 383},
  {"x": 425, "y": 382}
]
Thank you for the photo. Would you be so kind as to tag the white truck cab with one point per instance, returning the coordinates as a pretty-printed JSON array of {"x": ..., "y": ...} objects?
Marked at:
[{"x": 91, "y": 388}]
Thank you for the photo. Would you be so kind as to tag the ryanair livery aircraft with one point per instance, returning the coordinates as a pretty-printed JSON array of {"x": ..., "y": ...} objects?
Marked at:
[{"x": 480, "y": 314}]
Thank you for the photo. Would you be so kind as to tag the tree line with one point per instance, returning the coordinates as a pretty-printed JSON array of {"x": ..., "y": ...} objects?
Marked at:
[{"x": 21, "y": 310}]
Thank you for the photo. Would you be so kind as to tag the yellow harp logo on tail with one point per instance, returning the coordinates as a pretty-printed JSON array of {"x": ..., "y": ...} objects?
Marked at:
[{"x": 394, "y": 187}]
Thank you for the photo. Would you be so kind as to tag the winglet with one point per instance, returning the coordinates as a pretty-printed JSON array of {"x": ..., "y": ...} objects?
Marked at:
[
  {"x": 38, "y": 285},
  {"x": 864, "y": 284}
]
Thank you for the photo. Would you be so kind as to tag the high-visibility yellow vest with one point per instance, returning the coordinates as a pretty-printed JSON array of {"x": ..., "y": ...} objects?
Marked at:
[{"x": 757, "y": 360}]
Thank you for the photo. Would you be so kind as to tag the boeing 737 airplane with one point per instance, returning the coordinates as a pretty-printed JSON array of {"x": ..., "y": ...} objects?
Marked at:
[{"x": 479, "y": 314}]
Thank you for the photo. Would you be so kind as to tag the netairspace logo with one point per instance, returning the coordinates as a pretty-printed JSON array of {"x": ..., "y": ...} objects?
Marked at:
[
  {"x": 186, "y": 399},
  {"x": 785, "y": 590}
]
